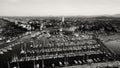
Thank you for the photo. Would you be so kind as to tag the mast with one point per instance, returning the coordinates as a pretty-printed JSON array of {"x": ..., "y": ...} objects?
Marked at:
[
  {"x": 8, "y": 65},
  {"x": 41, "y": 27},
  {"x": 17, "y": 61},
  {"x": 18, "y": 64},
  {"x": 43, "y": 66},
  {"x": 25, "y": 50},
  {"x": 22, "y": 49},
  {"x": 43, "y": 44},
  {"x": 34, "y": 64}
]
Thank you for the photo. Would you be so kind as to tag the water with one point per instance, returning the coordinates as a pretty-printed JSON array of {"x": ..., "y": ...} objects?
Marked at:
[{"x": 114, "y": 46}]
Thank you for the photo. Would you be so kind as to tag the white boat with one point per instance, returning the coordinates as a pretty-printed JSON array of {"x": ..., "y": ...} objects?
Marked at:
[
  {"x": 1, "y": 52},
  {"x": 4, "y": 50}
]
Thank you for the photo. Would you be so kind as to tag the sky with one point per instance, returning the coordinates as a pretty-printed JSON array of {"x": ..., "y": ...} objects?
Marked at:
[{"x": 58, "y": 7}]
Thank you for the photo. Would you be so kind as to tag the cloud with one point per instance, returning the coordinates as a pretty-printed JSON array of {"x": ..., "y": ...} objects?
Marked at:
[
  {"x": 9, "y": 1},
  {"x": 59, "y": 7},
  {"x": 14, "y": 0}
]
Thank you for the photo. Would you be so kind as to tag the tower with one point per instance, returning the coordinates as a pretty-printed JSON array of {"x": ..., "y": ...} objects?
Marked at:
[{"x": 63, "y": 19}]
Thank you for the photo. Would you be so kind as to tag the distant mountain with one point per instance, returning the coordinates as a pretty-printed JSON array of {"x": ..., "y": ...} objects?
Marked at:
[
  {"x": 116, "y": 15},
  {"x": 106, "y": 15},
  {"x": 97, "y": 16}
]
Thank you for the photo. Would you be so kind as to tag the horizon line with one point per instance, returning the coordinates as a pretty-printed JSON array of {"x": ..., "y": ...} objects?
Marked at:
[{"x": 58, "y": 15}]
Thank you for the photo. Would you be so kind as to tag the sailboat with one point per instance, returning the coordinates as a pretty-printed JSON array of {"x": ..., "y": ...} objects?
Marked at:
[
  {"x": 1, "y": 52},
  {"x": 4, "y": 50},
  {"x": 22, "y": 50},
  {"x": 8, "y": 48}
]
